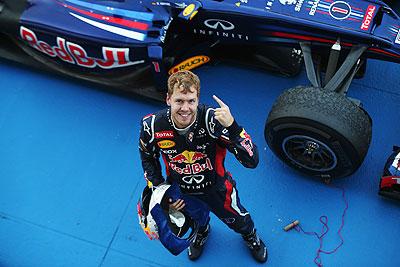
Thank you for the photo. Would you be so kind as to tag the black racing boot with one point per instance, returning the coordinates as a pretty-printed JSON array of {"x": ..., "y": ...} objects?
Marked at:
[
  {"x": 196, "y": 247},
  {"x": 256, "y": 246}
]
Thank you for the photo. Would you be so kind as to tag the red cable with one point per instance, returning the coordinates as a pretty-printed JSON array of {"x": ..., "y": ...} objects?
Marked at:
[{"x": 325, "y": 229}]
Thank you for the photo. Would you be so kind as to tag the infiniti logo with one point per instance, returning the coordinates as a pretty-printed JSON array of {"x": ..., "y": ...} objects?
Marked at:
[
  {"x": 219, "y": 23},
  {"x": 193, "y": 178}
]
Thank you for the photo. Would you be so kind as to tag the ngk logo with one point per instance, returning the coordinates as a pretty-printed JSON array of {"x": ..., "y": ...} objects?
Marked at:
[
  {"x": 75, "y": 54},
  {"x": 368, "y": 17}
]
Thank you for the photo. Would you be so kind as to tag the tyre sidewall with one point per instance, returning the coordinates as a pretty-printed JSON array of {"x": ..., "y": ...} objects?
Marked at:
[{"x": 345, "y": 153}]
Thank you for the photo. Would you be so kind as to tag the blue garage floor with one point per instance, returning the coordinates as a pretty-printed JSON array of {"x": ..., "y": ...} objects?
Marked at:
[{"x": 71, "y": 176}]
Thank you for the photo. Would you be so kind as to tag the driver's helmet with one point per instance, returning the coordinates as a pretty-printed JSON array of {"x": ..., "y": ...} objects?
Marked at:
[{"x": 175, "y": 229}]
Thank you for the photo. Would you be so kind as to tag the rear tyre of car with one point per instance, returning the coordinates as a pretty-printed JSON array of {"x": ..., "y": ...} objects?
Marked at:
[{"x": 318, "y": 132}]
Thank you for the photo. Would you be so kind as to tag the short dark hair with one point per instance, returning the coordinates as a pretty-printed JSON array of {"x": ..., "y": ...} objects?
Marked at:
[{"x": 185, "y": 80}]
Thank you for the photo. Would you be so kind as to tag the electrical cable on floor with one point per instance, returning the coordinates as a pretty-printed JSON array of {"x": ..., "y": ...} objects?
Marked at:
[{"x": 325, "y": 229}]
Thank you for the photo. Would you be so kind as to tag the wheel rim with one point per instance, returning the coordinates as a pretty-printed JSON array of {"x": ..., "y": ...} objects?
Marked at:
[{"x": 309, "y": 153}]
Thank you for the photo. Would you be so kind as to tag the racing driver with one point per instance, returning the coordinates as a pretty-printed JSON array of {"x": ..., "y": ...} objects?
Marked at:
[{"x": 192, "y": 140}]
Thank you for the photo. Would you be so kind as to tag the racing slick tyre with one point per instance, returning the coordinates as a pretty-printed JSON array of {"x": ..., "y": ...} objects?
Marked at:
[{"x": 318, "y": 132}]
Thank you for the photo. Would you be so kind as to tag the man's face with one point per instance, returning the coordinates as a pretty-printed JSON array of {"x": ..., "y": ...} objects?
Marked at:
[{"x": 183, "y": 107}]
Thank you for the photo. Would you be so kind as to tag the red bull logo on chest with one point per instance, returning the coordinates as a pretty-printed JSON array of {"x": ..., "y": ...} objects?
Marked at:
[{"x": 191, "y": 166}]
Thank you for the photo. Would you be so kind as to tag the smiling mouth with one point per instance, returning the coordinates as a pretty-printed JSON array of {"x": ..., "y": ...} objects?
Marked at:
[{"x": 185, "y": 116}]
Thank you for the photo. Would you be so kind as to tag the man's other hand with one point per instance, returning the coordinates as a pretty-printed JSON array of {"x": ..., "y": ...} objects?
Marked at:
[{"x": 177, "y": 205}]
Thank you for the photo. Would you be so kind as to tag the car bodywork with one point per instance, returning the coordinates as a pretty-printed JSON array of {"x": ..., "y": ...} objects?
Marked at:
[{"x": 134, "y": 45}]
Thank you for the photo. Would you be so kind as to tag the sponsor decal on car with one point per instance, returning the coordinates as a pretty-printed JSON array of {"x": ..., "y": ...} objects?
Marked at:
[
  {"x": 298, "y": 3},
  {"x": 269, "y": 4},
  {"x": 75, "y": 54},
  {"x": 108, "y": 20},
  {"x": 220, "y": 28},
  {"x": 314, "y": 7},
  {"x": 161, "y": 3},
  {"x": 368, "y": 17},
  {"x": 340, "y": 10},
  {"x": 288, "y": 2},
  {"x": 165, "y": 29},
  {"x": 166, "y": 144},
  {"x": 219, "y": 24},
  {"x": 188, "y": 10},
  {"x": 397, "y": 40},
  {"x": 189, "y": 64},
  {"x": 164, "y": 134}
]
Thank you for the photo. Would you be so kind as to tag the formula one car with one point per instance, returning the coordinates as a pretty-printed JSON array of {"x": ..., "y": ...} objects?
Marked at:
[{"x": 134, "y": 45}]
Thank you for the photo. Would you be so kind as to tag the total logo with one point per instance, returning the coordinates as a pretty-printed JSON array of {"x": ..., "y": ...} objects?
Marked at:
[
  {"x": 368, "y": 18},
  {"x": 340, "y": 10},
  {"x": 164, "y": 134},
  {"x": 75, "y": 54}
]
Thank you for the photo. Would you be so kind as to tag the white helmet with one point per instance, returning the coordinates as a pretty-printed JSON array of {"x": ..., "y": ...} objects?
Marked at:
[{"x": 170, "y": 226}]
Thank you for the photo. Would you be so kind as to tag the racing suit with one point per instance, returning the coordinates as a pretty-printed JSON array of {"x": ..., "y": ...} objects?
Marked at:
[{"x": 194, "y": 159}]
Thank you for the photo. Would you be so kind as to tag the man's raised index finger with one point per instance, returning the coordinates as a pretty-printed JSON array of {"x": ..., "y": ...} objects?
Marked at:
[{"x": 219, "y": 101}]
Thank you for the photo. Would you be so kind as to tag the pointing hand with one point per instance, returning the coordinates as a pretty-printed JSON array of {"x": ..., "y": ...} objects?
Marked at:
[{"x": 223, "y": 114}]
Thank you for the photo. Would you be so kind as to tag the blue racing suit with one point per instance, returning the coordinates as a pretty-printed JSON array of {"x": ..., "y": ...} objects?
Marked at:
[{"x": 194, "y": 159}]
